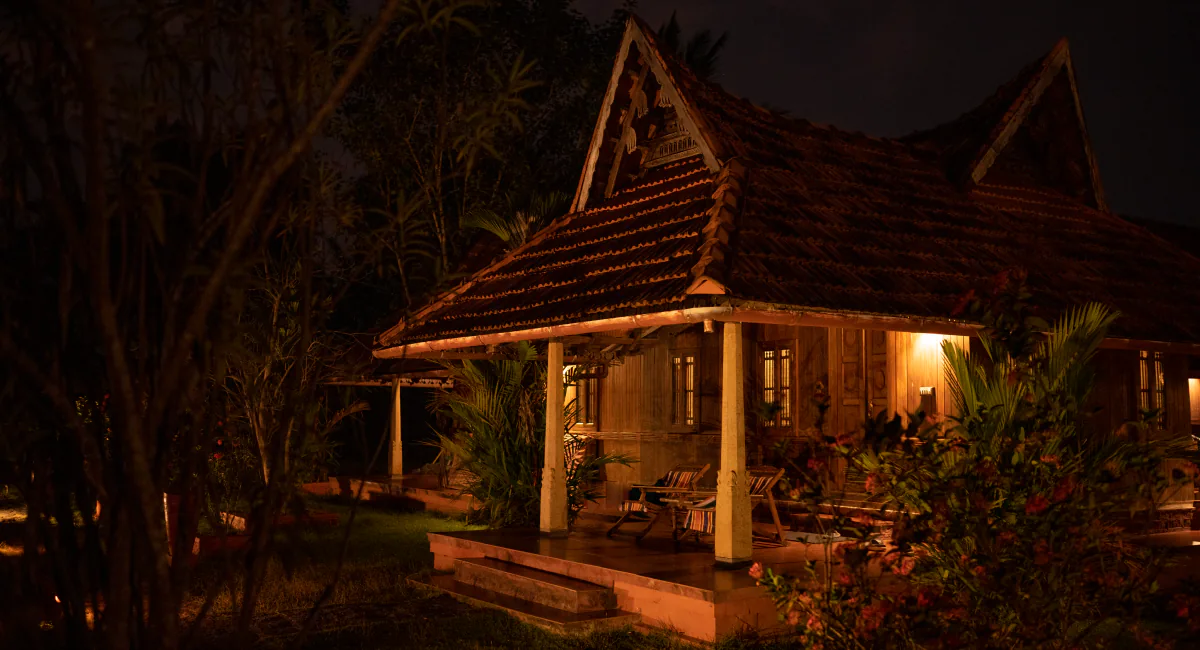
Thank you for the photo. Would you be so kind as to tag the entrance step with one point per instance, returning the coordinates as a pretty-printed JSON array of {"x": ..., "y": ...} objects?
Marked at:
[
  {"x": 551, "y": 618},
  {"x": 533, "y": 585}
]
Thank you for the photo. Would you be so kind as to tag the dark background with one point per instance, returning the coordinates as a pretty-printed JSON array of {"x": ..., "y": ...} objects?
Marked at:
[{"x": 888, "y": 68}]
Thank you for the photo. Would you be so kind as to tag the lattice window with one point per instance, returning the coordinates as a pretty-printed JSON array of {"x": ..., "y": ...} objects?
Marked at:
[
  {"x": 583, "y": 395},
  {"x": 588, "y": 401},
  {"x": 776, "y": 367},
  {"x": 683, "y": 389},
  {"x": 1152, "y": 392}
]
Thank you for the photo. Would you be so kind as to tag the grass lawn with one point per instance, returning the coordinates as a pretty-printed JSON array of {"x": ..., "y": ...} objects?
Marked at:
[{"x": 373, "y": 606}]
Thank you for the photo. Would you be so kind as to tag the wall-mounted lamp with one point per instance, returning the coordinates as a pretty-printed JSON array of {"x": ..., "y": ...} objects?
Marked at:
[
  {"x": 708, "y": 326},
  {"x": 928, "y": 400}
]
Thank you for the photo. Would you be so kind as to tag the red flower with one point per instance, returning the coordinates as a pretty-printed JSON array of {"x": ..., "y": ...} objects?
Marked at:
[
  {"x": 793, "y": 617},
  {"x": 1064, "y": 489},
  {"x": 964, "y": 301},
  {"x": 904, "y": 566},
  {"x": 1000, "y": 280},
  {"x": 925, "y": 597},
  {"x": 1042, "y": 554},
  {"x": 870, "y": 484},
  {"x": 1005, "y": 538},
  {"x": 816, "y": 464},
  {"x": 844, "y": 578},
  {"x": 1050, "y": 459},
  {"x": 979, "y": 570},
  {"x": 217, "y": 456},
  {"x": 1036, "y": 504},
  {"x": 872, "y": 615},
  {"x": 756, "y": 571}
]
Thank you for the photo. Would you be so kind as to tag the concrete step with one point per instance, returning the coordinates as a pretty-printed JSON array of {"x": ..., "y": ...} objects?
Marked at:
[
  {"x": 533, "y": 585},
  {"x": 551, "y": 618}
]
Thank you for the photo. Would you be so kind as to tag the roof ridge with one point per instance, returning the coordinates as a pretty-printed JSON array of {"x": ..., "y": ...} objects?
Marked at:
[{"x": 709, "y": 273}]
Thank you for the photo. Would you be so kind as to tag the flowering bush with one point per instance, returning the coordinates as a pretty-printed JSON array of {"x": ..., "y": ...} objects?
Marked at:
[{"x": 1008, "y": 527}]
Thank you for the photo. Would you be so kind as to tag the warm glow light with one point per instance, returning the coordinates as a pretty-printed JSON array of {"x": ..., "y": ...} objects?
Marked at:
[{"x": 929, "y": 342}]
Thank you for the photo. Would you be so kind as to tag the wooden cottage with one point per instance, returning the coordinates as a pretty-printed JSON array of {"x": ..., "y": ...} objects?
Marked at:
[{"x": 718, "y": 255}]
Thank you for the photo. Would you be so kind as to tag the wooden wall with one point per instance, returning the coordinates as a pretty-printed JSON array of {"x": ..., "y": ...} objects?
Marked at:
[
  {"x": 1114, "y": 395},
  {"x": 1194, "y": 398},
  {"x": 863, "y": 370},
  {"x": 919, "y": 362}
]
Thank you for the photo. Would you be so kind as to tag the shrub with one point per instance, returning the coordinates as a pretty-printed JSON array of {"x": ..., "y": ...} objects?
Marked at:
[
  {"x": 498, "y": 410},
  {"x": 1007, "y": 533}
]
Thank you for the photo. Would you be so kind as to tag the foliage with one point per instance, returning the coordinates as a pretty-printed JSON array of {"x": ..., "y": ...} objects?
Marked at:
[
  {"x": 1007, "y": 531},
  {"x": 701, "y": 52},
  {"x": 149, "y": 155},
  {"x": 484, "y": 116},
  {"x": 498, "y": 410},
  {"x": 516, "y": 225}
]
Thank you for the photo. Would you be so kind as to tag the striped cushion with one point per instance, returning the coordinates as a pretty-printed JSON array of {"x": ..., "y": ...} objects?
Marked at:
[
  {"x": 758, "y": 484},
  {"x": 701, "y": 521},
  {"x": 680, "y": 479},
  {"x": 633, "y": 506}
]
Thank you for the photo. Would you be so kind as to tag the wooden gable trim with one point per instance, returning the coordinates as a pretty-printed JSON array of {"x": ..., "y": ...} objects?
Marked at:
[
  {"x": 626, "y": 126},
  {"x": 1093, "y": 169},
  {"x": 1054, "y": 62},
  {"x": 614, "y": 80},
  {"x": 708, "y": 273},
  {"x": 692, "y": 121},
  {"x": 635, "y": 34}
]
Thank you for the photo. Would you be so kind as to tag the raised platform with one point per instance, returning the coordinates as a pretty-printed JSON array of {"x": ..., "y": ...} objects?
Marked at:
[
  {"x": 417, "y": 492},
  {"x": 677, "y": 589}
]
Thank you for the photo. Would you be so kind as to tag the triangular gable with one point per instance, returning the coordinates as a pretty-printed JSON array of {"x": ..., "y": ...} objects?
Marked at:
[
  {"x": 639, "y": 85},
  {"x": 1042, "y": 136}
]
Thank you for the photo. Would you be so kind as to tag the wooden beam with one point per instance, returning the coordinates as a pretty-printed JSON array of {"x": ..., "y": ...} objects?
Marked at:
[
  {"x": 553, "y": 519},
  {"x": 732, "y": 528}
]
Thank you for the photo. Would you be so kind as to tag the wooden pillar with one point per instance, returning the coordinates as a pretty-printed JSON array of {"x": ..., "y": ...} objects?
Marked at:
[
  {"x": 554, "y": 480},
  {"x": 732, "y": 525},
  {"x": 395, "y": 451}
]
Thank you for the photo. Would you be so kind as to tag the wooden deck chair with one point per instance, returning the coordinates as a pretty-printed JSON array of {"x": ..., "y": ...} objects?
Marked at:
[
  {"x": 679, "y": 482},
  {"x": 701, "y": 515}
]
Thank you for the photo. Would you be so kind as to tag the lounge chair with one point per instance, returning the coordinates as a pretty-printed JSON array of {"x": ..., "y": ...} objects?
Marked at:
[
  {"x": 680, "y": 482},
  {"x": 700, "y": 516}
]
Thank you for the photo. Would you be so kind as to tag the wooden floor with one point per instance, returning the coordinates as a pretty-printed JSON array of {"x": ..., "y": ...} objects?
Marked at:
[{"x": 668, "y": 585}]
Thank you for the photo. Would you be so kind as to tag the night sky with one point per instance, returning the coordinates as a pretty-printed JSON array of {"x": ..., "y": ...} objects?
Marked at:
[{"x": 889, "y": 68}]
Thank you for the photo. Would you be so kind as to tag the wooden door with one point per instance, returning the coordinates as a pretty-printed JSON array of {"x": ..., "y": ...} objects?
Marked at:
[
  {"x": 852, "y": 400},
  {"x": 878, "y": 379}
]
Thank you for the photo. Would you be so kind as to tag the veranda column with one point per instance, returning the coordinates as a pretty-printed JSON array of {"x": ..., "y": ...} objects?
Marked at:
[
  {"x": 395, "y": 452},
  {"x": 732, "y": 526},
  {"x": 554, "y": 484}
]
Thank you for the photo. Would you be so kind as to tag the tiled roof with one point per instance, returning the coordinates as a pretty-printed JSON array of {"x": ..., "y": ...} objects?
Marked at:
[
  {"x": 834, "y": 221},
  {"x": 628, "y": 254}
]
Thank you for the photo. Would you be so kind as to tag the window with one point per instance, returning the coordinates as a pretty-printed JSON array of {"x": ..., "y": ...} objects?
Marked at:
[
  {"x": 683, "y": 389},
  {"x": 588, "y": 404},
  {"x": 584, "y": 389},
  {"x": 776, "y": 366},
  {"x": 1151, "y": 390}
]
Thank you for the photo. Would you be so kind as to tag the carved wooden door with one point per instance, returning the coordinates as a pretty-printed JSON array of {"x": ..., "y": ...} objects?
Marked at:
[
  {"x": 877, "y": 376},
  {"x": 853, "y": 404}
]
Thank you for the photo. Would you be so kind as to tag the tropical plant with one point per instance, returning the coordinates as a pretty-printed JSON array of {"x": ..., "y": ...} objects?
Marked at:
[
  {"x": 515, "y": 225},
  {"x": 498, "y": 411},
  {"x": 149, "y": 154},
  {"x": 1007, "y": 528},
  {"x": 500, "y": 102},
  {"x": 701, "y": 52}
]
